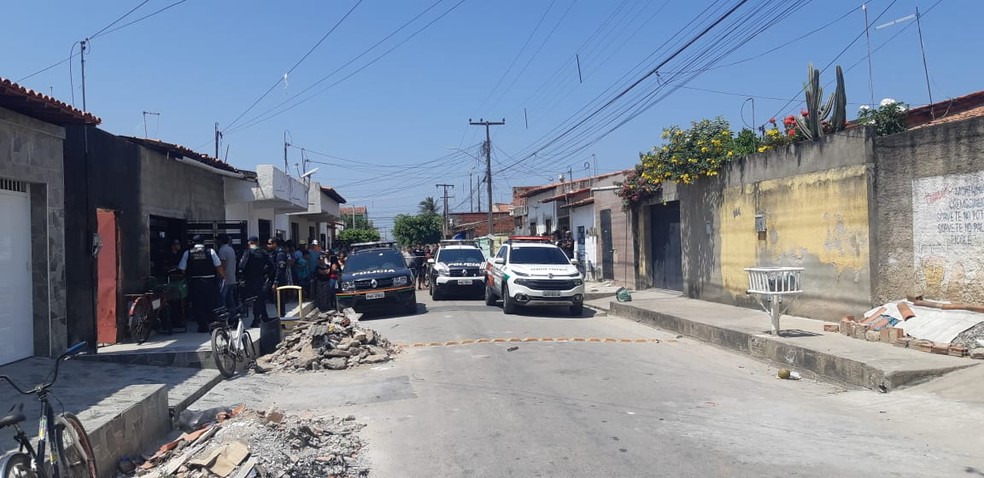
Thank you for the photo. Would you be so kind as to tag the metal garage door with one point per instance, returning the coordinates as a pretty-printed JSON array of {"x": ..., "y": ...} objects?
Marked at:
[{"x": 16, "y": 314}]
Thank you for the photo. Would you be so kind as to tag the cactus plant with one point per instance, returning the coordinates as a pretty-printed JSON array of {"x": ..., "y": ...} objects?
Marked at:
[{"x": 818, "y": 110}]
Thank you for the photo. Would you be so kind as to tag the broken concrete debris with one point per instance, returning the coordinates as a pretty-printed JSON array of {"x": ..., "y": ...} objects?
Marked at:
[
  {"x": 331, "y": 341},
  {"x": 919, "y": 324},
  {"x": 259, "y": 444}
]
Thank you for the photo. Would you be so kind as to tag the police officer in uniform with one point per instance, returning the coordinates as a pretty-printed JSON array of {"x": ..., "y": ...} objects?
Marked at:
[
  {"x": 257, "y": 271},
  {"x": 203, "y": 268}
]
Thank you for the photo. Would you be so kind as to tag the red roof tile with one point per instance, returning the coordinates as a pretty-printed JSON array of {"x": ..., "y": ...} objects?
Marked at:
[
  {"x": 540, "y": 189},
  {"x": 583, "y": 202},
  {"x": 567, "y": 195},
  {"x": 31, "y": 103}
]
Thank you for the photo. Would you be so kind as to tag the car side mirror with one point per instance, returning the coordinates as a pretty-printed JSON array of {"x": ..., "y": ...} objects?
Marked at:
[
  {"x": 499, "y": 260},
  {"x": 575, "y": 262},
  {"x": 430, "y": 261}
]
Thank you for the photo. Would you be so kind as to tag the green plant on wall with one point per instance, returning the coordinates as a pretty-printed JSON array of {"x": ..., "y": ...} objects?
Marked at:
[
  {"x": 888, "y": 118},
  {"x": 822, "y": 117}
]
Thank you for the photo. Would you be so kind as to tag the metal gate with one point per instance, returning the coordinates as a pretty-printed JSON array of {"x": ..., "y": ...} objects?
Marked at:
[
  {"x": 667, "y": 253},
  {"x": 211, "y": 230},
  {"x": 607, "y": 248}
]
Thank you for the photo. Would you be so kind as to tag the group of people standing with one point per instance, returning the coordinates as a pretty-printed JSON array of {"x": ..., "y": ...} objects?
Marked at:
[
  {"x": 417, "y": 260},
  {"x": 212, "y": 275}
]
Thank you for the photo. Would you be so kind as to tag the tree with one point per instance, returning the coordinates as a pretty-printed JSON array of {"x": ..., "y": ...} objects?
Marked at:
[
  {"x": 360, "y": 222},
  {"x": 428, "y": 206},
  {"x": 351, "y": 236},
  {"x": 420, "y": 229}
]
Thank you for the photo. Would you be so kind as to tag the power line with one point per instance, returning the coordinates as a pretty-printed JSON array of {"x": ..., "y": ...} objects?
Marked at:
[
  {"x": 272, "y": 112},
  {"x": 291, "y": 69},
  {"x": 119, "y": 19},
  {"x": 103, "y": 32},
  {"x": 649, "y": 74}
]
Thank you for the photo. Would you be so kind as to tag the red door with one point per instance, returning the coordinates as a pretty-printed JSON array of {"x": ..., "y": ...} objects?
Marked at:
[{"x": 107, "y": 285}]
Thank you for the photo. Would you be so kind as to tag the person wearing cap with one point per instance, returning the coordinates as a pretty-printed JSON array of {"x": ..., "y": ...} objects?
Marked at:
[
  {"x": 256, "y": 269},
  {"x": 203, "y": 268}
]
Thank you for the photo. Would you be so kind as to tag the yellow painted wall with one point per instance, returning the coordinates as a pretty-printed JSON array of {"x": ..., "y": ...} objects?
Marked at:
[{"x": 817, "y": 220}]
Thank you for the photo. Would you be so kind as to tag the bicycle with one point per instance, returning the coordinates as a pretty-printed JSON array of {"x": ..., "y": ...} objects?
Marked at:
[
  {"x": 150, "y": 310},
  {"x": 231, "y": 346},
  {"x": 72, "y": 454}
]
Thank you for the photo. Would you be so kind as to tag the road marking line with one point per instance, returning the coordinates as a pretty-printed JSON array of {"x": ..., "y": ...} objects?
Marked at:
[{"x": 499, "y": 340}]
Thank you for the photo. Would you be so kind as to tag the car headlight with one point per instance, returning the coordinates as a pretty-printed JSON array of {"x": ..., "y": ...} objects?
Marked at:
[
  {"x": 522, "y": 282},
  {"x": 578, "y": 281},
  {"x": 348, "y": 286},
  {"x": 401, "y": 280},
  {"x": 442, "y": 272}
]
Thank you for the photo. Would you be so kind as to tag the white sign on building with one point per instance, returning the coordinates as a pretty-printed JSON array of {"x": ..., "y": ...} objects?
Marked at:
[{"x": 948, "y": 229}]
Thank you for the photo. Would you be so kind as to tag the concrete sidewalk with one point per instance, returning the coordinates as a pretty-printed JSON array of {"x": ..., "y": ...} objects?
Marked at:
[
  {"x": 802, "y": 345},
  {"x": 124, "y": 408},
  {"x": 187, "y": 349}
]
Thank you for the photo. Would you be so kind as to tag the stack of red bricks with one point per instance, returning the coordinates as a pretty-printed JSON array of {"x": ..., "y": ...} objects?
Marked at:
[{"x": 875, "y": 328}]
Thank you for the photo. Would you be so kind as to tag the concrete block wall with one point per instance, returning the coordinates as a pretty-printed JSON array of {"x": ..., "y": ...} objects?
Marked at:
[
  {"x": 814, "y": 197},
  {"x": 31, "y": 151},
  {"x": 929, "y": 228},
  {"x": 172, "y": 189}
]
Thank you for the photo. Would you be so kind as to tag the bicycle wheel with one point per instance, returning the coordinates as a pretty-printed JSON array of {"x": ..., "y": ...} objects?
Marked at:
[
  {"x": 249, "y": 353},
  {"x": 140, "y": 321},
  {"x": 17, "y": 466},
  {"x": 225, "y": 358},
  {"x": 77, "y": 459}
]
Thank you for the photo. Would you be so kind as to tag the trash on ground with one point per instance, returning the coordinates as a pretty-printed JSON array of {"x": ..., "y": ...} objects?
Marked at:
[
  {"x": 786, "y": 374},
  {"x": 331, "y": 341},
  {"x": 623, "y": 295},
  {"x": 259, "y": 444},
  {"x": 512, "y": 349}
]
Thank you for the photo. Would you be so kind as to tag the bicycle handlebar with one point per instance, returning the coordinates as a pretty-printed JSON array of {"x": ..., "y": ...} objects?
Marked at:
[{"x": 71, "y": 352}]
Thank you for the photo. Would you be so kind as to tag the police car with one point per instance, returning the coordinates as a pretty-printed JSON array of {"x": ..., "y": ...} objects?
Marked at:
[
  {"x": 457, "y": 267},
  {"x": 377, "y": 277},
  {"x": 529, "y": 270}
]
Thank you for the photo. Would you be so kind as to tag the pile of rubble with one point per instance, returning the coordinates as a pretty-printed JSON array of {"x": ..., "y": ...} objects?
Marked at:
[
  {"x": 925, "y": 325},
  {"x": 330, "y": 341},
  {"x": 249, "y": 444}
]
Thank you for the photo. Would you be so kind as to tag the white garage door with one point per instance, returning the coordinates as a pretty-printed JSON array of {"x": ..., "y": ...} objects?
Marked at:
[{"x": 16, "y": 321}]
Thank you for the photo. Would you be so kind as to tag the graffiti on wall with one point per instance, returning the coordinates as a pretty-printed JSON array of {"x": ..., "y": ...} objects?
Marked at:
[{"x": 948, "y": 233}]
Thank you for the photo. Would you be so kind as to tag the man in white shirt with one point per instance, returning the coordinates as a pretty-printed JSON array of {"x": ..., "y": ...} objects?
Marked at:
[{"x": 228, "y": 257}]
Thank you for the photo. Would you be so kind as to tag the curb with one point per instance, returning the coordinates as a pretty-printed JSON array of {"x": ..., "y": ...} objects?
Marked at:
[{"x": 832, "y": 367}]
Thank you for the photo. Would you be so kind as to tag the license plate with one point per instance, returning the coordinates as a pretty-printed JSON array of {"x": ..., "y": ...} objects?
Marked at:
[
  {"x": 464, "y": 281},
  {"x": 551, "y": 293},
  {"x": 156, "y": 304},
  {"x": 375, "y": 295}
]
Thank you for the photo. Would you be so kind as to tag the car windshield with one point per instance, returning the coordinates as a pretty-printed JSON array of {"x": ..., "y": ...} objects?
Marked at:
[
  {"x": 456, "y": 256},
  {"x": 538, "y": 255},
  {"x": 375, "y": 260}
]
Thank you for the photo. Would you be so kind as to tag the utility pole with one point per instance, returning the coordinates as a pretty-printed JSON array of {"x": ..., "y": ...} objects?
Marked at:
[
  {"x": 471, "y": 193},
  {"x": 488, "y": 163},
  {"x": 83, "y": 43},
  {"x": 867, "y": 33},
  {"x": 218, "y": 138},
  {"x": 922, "y": 47},
  {"x": 445, "y": 186}
]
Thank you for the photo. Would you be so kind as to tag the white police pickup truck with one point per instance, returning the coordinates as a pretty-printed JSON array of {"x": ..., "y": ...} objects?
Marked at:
[{"x": 529, "y": 270}]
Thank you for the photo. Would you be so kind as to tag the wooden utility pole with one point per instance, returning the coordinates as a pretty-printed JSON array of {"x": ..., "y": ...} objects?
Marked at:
[
  {"x": 445, "y": 186},
  {"x": 488, "y": 163}
]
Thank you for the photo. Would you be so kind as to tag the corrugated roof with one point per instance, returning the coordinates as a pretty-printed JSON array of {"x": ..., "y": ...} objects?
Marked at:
[
  {"x": 31, "y": 103},
  {"x": 333, "y": 194},
  {"x": 178, "y": 150}
]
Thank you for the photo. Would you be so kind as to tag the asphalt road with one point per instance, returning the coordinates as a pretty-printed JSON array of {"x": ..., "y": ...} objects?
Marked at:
[{"x": 675, "y": 407}]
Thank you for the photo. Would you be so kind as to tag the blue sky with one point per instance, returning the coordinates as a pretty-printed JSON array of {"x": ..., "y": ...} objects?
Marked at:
[{"x": 390, "y": 130}]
